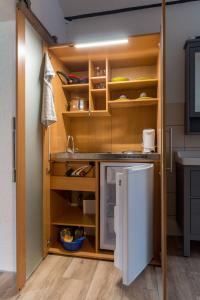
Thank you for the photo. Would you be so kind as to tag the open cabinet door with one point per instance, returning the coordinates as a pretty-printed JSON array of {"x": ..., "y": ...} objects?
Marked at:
[
  {"x": 163, "y": 156},
  {"x": 29, "y": 146},
  {"x": 134, "y": 220}
]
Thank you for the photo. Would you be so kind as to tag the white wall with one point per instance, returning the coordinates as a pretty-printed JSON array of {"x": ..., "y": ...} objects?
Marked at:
[
  {"x": 50, "y": 14},
  {"x": 7, "y": 111},
  {"x": 77, "y": 7}
]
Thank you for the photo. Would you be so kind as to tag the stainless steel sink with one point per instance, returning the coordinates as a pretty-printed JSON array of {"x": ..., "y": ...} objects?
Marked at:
[
  {"x": 63, "y": 156},
  {"x": 188, "y": 158}
]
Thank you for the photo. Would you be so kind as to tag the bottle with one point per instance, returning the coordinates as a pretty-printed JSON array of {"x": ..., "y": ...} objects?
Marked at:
[{"x": 97, "y": 71}]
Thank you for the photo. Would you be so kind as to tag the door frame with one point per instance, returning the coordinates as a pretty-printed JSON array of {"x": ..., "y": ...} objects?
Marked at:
[
  {"x": 20, "y": 152},
  {"x": 163, "y": 156},
  {"x": 23, "y": 12}
]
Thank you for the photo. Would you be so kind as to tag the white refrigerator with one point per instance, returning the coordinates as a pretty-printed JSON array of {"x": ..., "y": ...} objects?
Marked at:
[{"x": 126, "y": 199}]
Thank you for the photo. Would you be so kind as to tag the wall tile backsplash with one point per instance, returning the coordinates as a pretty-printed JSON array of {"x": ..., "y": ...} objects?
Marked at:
[
  {"x": 177, "y": 135},
  {"x": 175, "y": 114},
  {"x": 192, "y": 141}
]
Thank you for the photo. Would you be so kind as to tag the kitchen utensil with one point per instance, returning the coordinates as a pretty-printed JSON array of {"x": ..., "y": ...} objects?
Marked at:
[
  {"x": 100, "y": 85},
  {"x": 63, "y": 78},
  {"x": 73, "y": 246},
  {"x": 143, "y": 94},
  {"x": 72, "y": 238},
  {"x": 78, "y": 103},
  {"x": 97, "y": 71},
  {"x": 84, "y": 79},
  {"x": 74, "y": 78},
  {"x": 123, "y": 97}
]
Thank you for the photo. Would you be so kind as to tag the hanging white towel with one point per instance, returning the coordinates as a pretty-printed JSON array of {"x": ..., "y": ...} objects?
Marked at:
[{"x": 48, "y": 116}]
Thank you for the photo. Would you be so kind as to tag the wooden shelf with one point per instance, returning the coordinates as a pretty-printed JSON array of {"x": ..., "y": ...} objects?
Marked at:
[
  {"x": 80, "y": 86},
  {"x": 75, "y": 217},
  {"x": 83, "y": 184},
  {"x": 132, "y": 103},
  {"x": 100, "y": 113},
  {"x": 81, "y": 114},
  {"x": 98, "y": 91},
  {"x": 98, "y": 79},
  {"x": 87, "y": 251},
  {"x": 120, "y": 85},
  {"x": 75, "y": 114}
]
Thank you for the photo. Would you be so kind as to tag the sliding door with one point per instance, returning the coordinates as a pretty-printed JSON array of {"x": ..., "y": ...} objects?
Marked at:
[
  {"x": 33, "y": 148},
  {"x": 29, "y": 150}
]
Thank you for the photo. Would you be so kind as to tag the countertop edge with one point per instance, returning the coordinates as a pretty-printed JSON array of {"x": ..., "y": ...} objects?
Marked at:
[{"x": 62, "y": 157}]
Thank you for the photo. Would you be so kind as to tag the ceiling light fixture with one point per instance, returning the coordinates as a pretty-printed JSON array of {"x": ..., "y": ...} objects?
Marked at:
[{"x": 100, "y": 44}]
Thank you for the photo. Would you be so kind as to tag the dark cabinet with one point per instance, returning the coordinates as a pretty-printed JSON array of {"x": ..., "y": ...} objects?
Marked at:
[
  {"x": 192, "y": 86},
  {"x": 188, "y": 203}
]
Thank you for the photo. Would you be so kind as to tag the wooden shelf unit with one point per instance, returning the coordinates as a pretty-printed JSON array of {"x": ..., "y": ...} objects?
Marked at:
[
  {"x": 108, "y": 126},
  {"x": 63, "y": 214},
  {"x": 101, "y": 99},
  {"x": 98, "y": 100}
]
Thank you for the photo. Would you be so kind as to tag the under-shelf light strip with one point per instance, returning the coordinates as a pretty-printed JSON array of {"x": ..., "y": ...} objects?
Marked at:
[{"x": 102, "y": 43}]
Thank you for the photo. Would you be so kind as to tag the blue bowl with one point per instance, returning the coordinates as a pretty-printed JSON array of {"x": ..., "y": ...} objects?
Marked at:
[{"x": 73, "y": 246}]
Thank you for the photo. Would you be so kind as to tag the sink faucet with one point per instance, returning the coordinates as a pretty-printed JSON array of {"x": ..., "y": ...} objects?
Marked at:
[{"x": 70, "y": 144}]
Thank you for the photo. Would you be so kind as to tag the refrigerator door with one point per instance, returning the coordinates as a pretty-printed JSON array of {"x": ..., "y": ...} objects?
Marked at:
[
  {"x": 108, "y": 173},
  {"x": 134, "y": 221}
]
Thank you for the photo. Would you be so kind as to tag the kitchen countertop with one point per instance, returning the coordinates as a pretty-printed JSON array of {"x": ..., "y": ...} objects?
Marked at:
[
  {"x": 188, "y": 158},
  {"x": 64, "y": 156}
]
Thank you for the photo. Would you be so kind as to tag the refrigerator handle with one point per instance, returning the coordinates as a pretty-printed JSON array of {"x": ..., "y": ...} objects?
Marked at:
[
  {"x": 116, "y": 208},
  {"x": 117, "y": 223}
]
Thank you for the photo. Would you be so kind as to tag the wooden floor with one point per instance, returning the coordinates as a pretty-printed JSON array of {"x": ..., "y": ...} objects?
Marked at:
[
  {"x": 7, "y": 285},
  {"x": 183, "y": 272},
  {"x": 66, "y": 278}
]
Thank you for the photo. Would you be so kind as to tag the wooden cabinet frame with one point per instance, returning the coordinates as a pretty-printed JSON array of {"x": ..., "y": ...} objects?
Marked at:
[{"x": 22, "y": 13}]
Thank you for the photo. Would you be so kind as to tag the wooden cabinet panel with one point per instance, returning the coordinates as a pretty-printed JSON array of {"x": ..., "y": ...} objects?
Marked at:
[
  {"x": 195, "y": 186},
  {"x": 195, "y": 216},
  {"x": 73, "y": 183}
]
